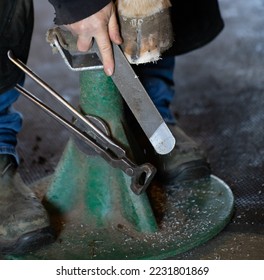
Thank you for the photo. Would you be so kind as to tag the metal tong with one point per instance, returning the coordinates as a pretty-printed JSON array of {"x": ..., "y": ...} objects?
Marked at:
[{"x": 89, "y": 133}]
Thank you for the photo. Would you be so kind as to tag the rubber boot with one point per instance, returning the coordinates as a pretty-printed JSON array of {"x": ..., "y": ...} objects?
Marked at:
[
  {"x": 186, "y": 161},
  {"x": 24, "y": 223}
]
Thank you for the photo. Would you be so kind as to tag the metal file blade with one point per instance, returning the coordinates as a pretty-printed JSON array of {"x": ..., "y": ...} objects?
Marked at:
[{"x": 141, "y": 105}]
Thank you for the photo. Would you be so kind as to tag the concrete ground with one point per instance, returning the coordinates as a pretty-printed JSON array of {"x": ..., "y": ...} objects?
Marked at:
[{"x": 219, "y": 103}]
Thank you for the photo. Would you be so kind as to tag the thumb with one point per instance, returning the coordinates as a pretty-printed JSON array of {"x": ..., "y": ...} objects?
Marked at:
[{"x": 113, "y": 29}]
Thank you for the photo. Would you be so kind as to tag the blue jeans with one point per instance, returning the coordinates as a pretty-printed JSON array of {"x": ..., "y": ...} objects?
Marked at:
[
  {"x": 157, "y": 78},
  {"x": 10, "y": 123}
]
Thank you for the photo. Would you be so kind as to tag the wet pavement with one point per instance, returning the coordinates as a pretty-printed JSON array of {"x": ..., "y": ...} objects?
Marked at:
[{"x": 219, "y": 103}]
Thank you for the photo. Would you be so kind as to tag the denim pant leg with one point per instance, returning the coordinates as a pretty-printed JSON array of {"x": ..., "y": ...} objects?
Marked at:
[
  {"x": 10, "y": 123},
  {"x": 157, "y": 78}
]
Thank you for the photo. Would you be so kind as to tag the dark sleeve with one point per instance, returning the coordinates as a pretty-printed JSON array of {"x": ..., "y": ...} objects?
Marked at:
[
  {"x": 195, "y": 24},
  {"x": 69, "y": 11}
]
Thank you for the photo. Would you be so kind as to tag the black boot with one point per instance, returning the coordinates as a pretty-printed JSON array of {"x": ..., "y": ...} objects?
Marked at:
[
  {"x": 186, "y": 161},
  {"x": 24, "y": 223}
]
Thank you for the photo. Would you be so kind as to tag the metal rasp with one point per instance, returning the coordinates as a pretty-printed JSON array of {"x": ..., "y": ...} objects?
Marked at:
[{"x": 127, "y": 83}]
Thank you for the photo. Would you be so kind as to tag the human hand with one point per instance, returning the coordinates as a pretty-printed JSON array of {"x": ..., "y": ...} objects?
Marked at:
[{"x": 103, "y": 27}]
